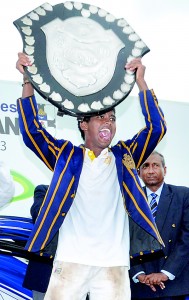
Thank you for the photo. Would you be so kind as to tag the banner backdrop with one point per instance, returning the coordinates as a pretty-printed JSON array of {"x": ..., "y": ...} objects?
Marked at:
[{"x": 26, "y": 169}]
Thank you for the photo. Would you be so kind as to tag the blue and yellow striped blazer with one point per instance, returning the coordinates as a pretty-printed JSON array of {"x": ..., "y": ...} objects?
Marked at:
[{"x": 66, "y": 160}]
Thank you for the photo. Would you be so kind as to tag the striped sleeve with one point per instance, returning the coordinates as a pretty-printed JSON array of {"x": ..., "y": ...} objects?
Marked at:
[{"x": 34, "y": 135}]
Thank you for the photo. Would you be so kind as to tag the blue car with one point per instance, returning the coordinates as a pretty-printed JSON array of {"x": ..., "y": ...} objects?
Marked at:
[{"x": 14, "y": 232}]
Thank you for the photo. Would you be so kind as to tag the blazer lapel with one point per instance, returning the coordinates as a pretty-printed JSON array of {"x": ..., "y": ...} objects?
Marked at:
[
  {"x": 78, "y": 163},
  {"x": 118, "y": 160}
]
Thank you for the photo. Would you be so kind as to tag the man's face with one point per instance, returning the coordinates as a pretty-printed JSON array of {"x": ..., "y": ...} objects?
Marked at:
[
  {"x": 100, "y": 130},
  {"x": 152, "y": 171}
]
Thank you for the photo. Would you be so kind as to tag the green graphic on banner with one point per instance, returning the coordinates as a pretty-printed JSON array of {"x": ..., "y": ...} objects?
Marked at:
[{"x": 28, "y": 187}]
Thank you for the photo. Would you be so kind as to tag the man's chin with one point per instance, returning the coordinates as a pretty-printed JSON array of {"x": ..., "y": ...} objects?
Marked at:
[
  {"x": 152, "y": 183},
  {"x": 105, "y": 142}
]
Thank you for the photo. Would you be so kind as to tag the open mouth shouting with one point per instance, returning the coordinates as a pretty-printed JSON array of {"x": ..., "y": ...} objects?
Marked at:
[{"x": 105, "y": 134}]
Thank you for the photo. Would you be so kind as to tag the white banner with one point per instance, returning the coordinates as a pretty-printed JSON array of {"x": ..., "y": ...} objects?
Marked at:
[{"x": 26, "y": 168}]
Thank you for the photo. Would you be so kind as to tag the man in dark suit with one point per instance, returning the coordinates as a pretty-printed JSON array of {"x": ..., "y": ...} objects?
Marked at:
[{"x": 165, "y": 278}]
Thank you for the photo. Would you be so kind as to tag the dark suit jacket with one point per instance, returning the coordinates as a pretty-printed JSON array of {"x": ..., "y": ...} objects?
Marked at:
[
  {"x": 39, "y": 269},
  {"x": 173, "y": 223}
]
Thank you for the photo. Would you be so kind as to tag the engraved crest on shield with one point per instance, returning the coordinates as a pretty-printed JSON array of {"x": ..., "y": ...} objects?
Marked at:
[{"x": 81, "y": 54}]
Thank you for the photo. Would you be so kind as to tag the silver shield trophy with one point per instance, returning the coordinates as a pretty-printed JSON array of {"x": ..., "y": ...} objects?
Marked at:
[{"x": 78, "y": 53}]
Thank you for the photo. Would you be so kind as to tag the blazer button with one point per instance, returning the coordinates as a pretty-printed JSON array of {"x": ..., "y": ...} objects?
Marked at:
[
  {"x": 165, "y": 257},
  {"x": 63, "y": 214},
  {"x": 170, "y": 241},
  {"x": 173, "y": 225}
]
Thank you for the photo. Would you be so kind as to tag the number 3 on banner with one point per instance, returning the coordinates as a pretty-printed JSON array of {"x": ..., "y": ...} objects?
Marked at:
[{"x": 3, "y": 146}]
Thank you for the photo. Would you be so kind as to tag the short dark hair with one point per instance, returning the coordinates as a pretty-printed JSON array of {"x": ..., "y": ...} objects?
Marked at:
[
  {"x": 161, "y": 156},
  {"x": 87, "y": 119},
  {"x": 81, "y": 120}
]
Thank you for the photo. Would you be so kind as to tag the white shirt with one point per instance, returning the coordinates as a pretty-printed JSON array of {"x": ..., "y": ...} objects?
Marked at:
[
  {"x": 158, "y": 193},
  {"x": 95, "y": 231}
]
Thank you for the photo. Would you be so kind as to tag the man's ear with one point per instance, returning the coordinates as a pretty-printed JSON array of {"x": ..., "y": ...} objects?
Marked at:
[
  {"x": 165, "y": 171},
  {"x": 84, "y": 126}
]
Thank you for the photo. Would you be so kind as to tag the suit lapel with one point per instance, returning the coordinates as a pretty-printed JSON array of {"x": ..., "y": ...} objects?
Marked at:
[{"x": 163, "y": 206}]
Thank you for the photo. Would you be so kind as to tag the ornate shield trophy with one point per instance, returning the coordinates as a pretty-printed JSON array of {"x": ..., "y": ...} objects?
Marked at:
[{"x": 78, "y": 53}]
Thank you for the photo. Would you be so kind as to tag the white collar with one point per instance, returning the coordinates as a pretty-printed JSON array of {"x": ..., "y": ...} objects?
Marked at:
[{"x": 158, "y": 192}]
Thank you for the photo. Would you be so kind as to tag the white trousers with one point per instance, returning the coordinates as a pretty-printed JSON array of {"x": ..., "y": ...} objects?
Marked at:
[{"x": 70, "y": 281}]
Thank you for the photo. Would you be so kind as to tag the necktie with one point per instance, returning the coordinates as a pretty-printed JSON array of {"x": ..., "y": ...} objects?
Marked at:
[{"x": 153, "y": 204}]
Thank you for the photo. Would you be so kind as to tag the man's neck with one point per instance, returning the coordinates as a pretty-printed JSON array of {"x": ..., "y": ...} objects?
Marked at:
[
  {"x": 95, "y": 150},
  {"x": 155, "y": 188}
]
